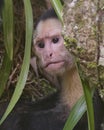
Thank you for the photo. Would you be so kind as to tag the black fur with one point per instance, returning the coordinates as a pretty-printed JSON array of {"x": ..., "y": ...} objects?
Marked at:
[
  {"x": 98, "y": 105},
  {"x": 48, "y": 114},
  {"x": 1, "y": 4},
  {"x": 47, "y": 15}
]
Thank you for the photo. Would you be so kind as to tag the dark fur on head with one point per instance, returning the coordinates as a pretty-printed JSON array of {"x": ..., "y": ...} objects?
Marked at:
[{"x": 47, "y": 15}]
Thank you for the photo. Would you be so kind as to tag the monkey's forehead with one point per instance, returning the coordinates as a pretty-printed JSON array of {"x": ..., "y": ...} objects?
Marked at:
[
  {"x": 48, "y": 27},
  {"x": 50, "y": 34}
]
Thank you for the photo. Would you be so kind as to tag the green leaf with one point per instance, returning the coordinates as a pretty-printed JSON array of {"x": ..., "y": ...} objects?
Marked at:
[
  {"x": 8, "y": 41},
  {"x": 76, "y": 113},
  {"x": 58, "y": 8},
  {"x": 4, "y": 73},
  {"x": 26, "y": 61},
  {"x": 88, "y": 97},
  {"x": 8, "y": 27}
]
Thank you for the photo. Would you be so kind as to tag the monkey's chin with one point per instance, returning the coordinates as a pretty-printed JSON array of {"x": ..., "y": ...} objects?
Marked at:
[{"x": 55, "y": 68}]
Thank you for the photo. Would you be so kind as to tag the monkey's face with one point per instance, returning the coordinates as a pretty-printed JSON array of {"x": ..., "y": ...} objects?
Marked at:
[{"x": 52, "y": 55}]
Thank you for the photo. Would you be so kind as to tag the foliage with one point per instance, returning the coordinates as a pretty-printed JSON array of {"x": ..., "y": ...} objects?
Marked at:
[
  {"x": 8, "y": 40},
  {"x": 26, "y": 61}
]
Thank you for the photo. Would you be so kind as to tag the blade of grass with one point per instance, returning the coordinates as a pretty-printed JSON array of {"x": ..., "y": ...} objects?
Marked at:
[
  {"x": 89, "y": 103},
  {"x": 8, "y": 27},
  {"x": 26, "y": 61},
  {"x": 8, "y": 41},
  {"x": 4, "y": 73},
  {"x": 76, "y": 113},
  {"x": 58, "y": 8}
]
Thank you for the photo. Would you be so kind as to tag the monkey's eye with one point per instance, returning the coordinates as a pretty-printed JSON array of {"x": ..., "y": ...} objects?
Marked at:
[
  {"x": 55, "y": 40},
  {"x": 41, "y": 44}
]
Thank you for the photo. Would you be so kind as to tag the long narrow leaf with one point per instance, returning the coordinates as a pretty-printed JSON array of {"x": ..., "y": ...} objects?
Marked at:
[
  {"x": 4, "y": 73},
  {"x": 8, "y": 41},
  {"x": 76, "y": 113},
  {"x": 89, "y": 103},
  {"x": 25, "y": 67},
  {"x": 58, "y": 8},
  {"x": 8, "y": 27}
]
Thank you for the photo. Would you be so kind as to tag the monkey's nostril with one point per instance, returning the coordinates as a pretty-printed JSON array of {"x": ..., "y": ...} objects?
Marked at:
[{"x": 50, "y": 54}]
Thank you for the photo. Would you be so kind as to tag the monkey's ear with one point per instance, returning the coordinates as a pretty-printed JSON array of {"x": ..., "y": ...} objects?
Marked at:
[{"x": 34, "y": 65}]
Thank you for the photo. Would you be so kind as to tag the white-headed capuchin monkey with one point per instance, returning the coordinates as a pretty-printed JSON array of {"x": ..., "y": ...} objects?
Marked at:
[
  {"x": 57, "y": 64},
  {"x": 54, "y": 59}
]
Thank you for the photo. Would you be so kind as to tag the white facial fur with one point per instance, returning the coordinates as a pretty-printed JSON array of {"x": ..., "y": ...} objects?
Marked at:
[{"x": 52, "y": 55}]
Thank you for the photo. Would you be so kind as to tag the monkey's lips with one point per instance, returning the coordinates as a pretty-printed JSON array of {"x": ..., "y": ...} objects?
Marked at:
[{"x": 54, "y": 65}]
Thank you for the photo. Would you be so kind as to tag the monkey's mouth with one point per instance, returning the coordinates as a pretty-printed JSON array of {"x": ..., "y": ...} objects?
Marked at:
[{"x": 55, "y": 64}]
